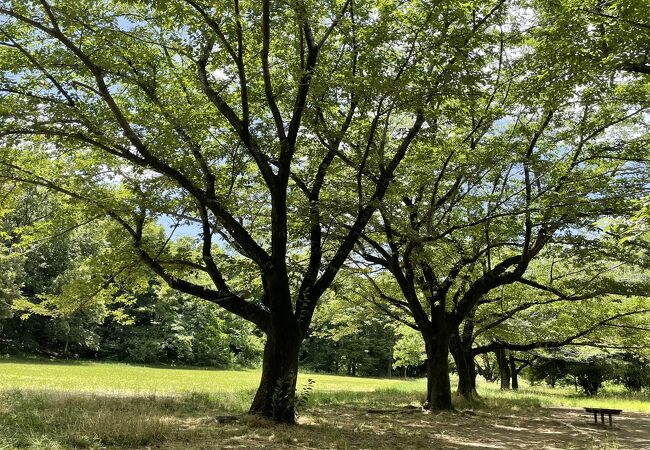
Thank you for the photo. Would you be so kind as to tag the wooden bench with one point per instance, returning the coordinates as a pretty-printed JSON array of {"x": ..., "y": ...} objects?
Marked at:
[{"x": 602, "y": 412}]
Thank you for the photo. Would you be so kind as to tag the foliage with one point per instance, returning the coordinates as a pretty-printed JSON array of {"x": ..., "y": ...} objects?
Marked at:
[
  {"x": 634, "y": 373},
  {"x": 408, "y": 350},
  {"x": 11, "y": 278},
  {"x": 172, "y": 328},
  {"x": 520, "y": 177},
  {"x": 348, "y": 337},
  {"x": 588, "y": 370},
  {"x": 274, "y": 128},
  {"x": 71, "y": 290},
  {"x": 474, "y": 164},
  {"x": 303, "y": 397}
]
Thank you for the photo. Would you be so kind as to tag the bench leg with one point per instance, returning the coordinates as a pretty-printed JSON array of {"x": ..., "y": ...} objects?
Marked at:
[
  {"x": 610, "y": 419},
  {"x": 595, "y": 417},
  {"x": 602, "y": 418}
]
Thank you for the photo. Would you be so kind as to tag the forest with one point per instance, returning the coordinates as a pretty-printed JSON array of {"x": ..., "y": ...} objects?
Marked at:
[{"x": 456, "y": 191}]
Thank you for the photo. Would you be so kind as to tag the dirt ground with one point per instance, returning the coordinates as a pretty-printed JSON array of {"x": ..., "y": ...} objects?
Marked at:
[{"x": 348, "y": 428}]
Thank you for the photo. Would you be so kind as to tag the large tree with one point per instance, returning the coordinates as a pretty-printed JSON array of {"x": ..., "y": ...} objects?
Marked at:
[
  {"x": 250, "y": 120},
  {"x": 496, "y": 188}
]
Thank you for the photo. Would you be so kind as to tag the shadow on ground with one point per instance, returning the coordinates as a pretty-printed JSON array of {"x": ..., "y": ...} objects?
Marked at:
[
  {"x": 349, "y": 428},
  {"x": 56, "y": 420}
]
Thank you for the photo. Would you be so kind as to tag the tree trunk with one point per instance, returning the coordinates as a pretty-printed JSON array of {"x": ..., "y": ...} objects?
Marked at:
[
  {"x": 276, "y": 396},
  {"x": 466, "y": 368},
  {"x": 438, "y": 385},
  {"x": 515, "y": 381},
  {"x": 504, "y": 368},
  {"x": 466, "y": 373},
  {"x": 513, "y": 373}
]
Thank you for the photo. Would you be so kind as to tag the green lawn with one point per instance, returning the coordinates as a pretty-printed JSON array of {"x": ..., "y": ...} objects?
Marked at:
[
  {"x": 234, "y": 388},
  {"x": 54, "y": 405},
  {"x": 125, "y": 378}
]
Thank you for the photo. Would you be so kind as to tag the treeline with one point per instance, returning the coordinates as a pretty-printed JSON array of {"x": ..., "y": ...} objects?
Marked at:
[
  {"x": 150, "y": 329},
  {"x": 57, "y": 306},
  {"x": 62, "y": 301},
  {"x": 588, "y": 373},
  {"x": 150, "y": 324}
]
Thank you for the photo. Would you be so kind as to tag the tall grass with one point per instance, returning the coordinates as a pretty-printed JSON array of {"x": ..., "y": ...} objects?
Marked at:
[{"x": 45, "y": 419}]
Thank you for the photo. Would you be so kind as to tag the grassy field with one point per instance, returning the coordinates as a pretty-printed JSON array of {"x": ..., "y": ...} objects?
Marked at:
[
  {"x": 233, "y": 389},
  {"x": 50, "y": 404}
]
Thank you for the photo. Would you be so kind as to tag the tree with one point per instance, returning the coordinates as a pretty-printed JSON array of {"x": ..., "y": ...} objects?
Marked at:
[
  {"x": 572, "y": 297},
  {"x": 162, "y": 326},
  {"x": 11, "y": 260},
  {"x": 408, "y": 349},
  {"x": 564, "y": 156},
  {"x": 247, "y": 119},
  {"x": 587, "y": 369},
  {"x": 11, "y": 275}
]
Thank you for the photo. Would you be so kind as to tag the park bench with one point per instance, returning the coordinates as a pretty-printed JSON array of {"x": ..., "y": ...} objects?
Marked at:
[{"x": 602, "y": 412}]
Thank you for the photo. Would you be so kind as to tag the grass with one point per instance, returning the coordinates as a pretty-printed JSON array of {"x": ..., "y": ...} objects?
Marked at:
[
  {"x": 543, "y": 396},
  {"x": 233, "y": 389},
  {"x": 51, "y": 404},
  {"x": 45, "y": 419},
  {"x": 230, "y": 389}
]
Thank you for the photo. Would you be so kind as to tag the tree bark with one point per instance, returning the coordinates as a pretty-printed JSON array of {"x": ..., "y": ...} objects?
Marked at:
[
  {"x": 438, "y": 384},
  {"x": 466, "y": 368},
  {"x": 461, "y": 350},
  {"x": 513, "y": 373},
  {"x": 275, "y": 398},
  {"x": 504, "y": 368}
]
